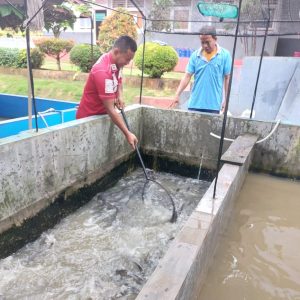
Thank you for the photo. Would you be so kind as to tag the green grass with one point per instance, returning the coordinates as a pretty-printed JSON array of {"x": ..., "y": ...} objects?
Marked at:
[
  {"x": 64, "y": 89},
  {"x": 50, "y": 64},
  {"x": 44, "y": 88}
]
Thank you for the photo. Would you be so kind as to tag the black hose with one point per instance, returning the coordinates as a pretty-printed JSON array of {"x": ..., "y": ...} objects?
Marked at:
[
  {"x": 174, "y": 213},
  {"x": 136, "y": 147}
]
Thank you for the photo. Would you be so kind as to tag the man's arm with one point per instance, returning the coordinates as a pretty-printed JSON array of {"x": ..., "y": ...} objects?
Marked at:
[
  {"x": 120, "y": 101},
  {"x": 226, "y": 86},
  {"x": 182, "y": 85},
  {"x": 117, "y": 119}
]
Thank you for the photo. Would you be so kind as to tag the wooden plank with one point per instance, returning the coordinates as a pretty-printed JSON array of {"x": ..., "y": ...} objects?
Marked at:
[{"x": 239, "y": 150}]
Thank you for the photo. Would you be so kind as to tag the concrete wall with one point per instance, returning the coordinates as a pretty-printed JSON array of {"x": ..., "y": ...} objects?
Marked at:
[
  {"x": 184, "y": 136},
  {"x": 183, "y": 269},
  {"x": 36, "y": 167}
]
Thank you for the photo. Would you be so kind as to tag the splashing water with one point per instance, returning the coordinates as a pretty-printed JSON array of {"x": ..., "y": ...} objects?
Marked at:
[{"x": 105, "y": 250}]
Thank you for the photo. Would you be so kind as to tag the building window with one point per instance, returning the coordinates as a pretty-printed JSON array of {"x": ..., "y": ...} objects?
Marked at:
[
  {"x": 139, "y": 3},
  {"x": 118, "y": 3}
]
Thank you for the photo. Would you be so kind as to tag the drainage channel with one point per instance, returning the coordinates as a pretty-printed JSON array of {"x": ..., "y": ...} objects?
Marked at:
[
  {"x": 107, "y": 248},
  {"x": 258, "y": 256}
]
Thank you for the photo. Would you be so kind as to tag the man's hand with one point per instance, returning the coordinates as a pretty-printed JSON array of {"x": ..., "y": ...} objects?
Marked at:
[
  {"x": 132, "y": 139},
  {"x": 175, "y": 102},
  {"x": 119, "y": 104}
]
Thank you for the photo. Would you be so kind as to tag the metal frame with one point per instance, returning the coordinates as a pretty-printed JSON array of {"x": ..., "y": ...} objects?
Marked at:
[
  {"x": 227, "y": 99},
  {"x": 236, "y": 35},
  {"x": 261, "y": 58},
  {"x": 31, "y": 94}
]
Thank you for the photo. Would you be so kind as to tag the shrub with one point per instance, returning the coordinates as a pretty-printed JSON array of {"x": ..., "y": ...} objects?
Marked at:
[
  {"x": 9, "y": 57},
  {"x": 158, "y": 59},
  {"x": 36, "y": 57},
  {"x": 116, "y": 24},
  {"x": 81, "y": 55},
  {"x": 54, "y": 47}
]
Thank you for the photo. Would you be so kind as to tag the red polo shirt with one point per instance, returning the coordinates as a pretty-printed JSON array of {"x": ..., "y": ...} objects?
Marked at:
[{"x": 102, "y": 85}]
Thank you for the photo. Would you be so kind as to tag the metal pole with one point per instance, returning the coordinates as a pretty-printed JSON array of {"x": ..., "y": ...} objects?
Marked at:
[
  {"x": 29, "y": 92},
  {"x": 143, "y": 60},
  {"x": 260, "y": 61},
  {"x": 136, "y": 147},
  {"x": 144, "y": 41},
  {"x": 138, "y": 8},
  {"x": 31, "y": 97},
  {"x": 92, "y": 40},
  {"x": 30, "y": 20},
  {"x": 227, "y": 100}
]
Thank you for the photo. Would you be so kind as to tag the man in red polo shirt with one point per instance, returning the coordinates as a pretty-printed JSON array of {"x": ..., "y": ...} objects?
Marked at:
[{"x": 103, "y": 89}]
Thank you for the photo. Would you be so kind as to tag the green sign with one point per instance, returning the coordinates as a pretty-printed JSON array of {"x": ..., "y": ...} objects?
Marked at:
[{"x": 219, "y": 10}]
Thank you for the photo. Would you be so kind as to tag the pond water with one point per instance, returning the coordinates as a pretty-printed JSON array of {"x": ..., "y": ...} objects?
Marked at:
[
  {"x": 259, "y": 256},
  {"x": 108, "y": 248}
]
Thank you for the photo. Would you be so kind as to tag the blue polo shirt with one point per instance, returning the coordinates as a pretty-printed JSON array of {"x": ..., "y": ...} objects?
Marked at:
[{"x": 207, "y": 90}]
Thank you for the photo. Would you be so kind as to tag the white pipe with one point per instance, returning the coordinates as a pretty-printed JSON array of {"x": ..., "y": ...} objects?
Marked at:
[
  {"x": 269, "y": 135},
  {"x": 50, "y": 110},
  {"x": 260, "y": 141},
  {"x": 218, "y": 137},
  {"x": 44, "y": 120}
]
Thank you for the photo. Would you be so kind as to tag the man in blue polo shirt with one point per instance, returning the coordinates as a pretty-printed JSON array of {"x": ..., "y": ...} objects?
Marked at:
[{"x": 211, "y": 67}]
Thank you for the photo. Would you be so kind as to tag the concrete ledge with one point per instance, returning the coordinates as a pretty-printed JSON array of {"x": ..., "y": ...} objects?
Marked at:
[{"x": 239, "y": 150}]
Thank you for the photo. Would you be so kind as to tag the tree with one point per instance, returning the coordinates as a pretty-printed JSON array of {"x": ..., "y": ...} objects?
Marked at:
[
  {"x": 54, "y": 47},
  {"x": 10, "y": 17},
  {"x": 13, "y": 17},
  {"x": 158, "y": 59},
  {"x": 117, "y": 24},
  {"x": 80, "y": 56},
  {"x": 58, "y": 18},
  {"x": 161, "y": 10}
]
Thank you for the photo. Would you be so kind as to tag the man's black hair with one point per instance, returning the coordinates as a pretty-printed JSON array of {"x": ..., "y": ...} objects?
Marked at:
[
  {"x": 209, "y": 30},
  {"x": 124, "y": 43}
]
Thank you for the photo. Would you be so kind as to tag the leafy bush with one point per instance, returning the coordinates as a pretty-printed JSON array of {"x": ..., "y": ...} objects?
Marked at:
[
  {"x": 158, "y": 59},
  {"x": 54, "y": 47},
  {"x": 115, "y": 25},
  {"x": 36, "y": 56},
  {"x": 81, "y": 56},
  {"x": 9, "y": 57}
]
